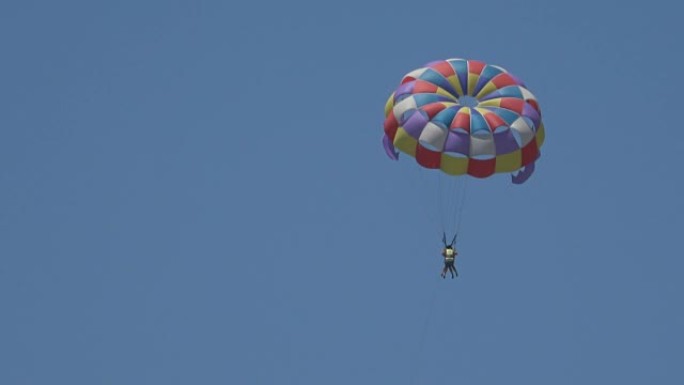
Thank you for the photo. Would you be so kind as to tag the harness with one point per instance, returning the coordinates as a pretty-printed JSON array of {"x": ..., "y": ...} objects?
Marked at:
[{"x": 449, "y": 255}]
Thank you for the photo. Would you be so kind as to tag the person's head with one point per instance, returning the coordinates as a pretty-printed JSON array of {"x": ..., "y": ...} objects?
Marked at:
[{"x": 449, "y": 247}]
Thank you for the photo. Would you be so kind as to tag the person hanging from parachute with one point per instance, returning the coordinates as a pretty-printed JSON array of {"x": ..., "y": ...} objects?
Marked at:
[{"x": 449, "y": 253}]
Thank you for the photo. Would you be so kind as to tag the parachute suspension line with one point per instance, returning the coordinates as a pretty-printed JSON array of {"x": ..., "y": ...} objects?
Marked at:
[
  {"x": 444, "y": 208},
  {"x": 458, "y": 211},
  {"x": 415, "y": 369},
  {"x": 442, "y": 203},
  {"x": 452, "y": 199},
  {"x": 455, "y": 189}
]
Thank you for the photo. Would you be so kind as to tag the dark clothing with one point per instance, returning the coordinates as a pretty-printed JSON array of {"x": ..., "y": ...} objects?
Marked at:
[{"x": 449, "y": 266}]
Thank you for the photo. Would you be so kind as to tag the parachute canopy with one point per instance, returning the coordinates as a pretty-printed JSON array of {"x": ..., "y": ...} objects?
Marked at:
[{"x": 465, "y": 117}]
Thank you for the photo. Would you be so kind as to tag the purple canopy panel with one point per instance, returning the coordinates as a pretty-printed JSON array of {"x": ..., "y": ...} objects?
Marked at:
[
  {"x": 389, "y": 148},
  {"x": 523, "y": 175},
  {"x": 415, "y": 124},
  {"x": 530, "y": 112},
  {"x": 457, "y": 142},
  {"x": 404, "y": 89},
  {"x": 505, "y": 142},
  {"x": 491, "y": 95}
]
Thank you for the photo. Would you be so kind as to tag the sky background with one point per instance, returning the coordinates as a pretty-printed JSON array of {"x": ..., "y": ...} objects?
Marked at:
[{"x": 195, "y": 192}]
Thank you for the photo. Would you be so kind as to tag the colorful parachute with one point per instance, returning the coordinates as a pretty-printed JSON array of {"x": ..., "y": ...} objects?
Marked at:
[{"x": 465, "y": 117}]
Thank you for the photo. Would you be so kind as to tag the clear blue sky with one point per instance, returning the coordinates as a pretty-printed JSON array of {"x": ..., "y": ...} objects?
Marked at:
[{"x": 195, "y": 192}]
